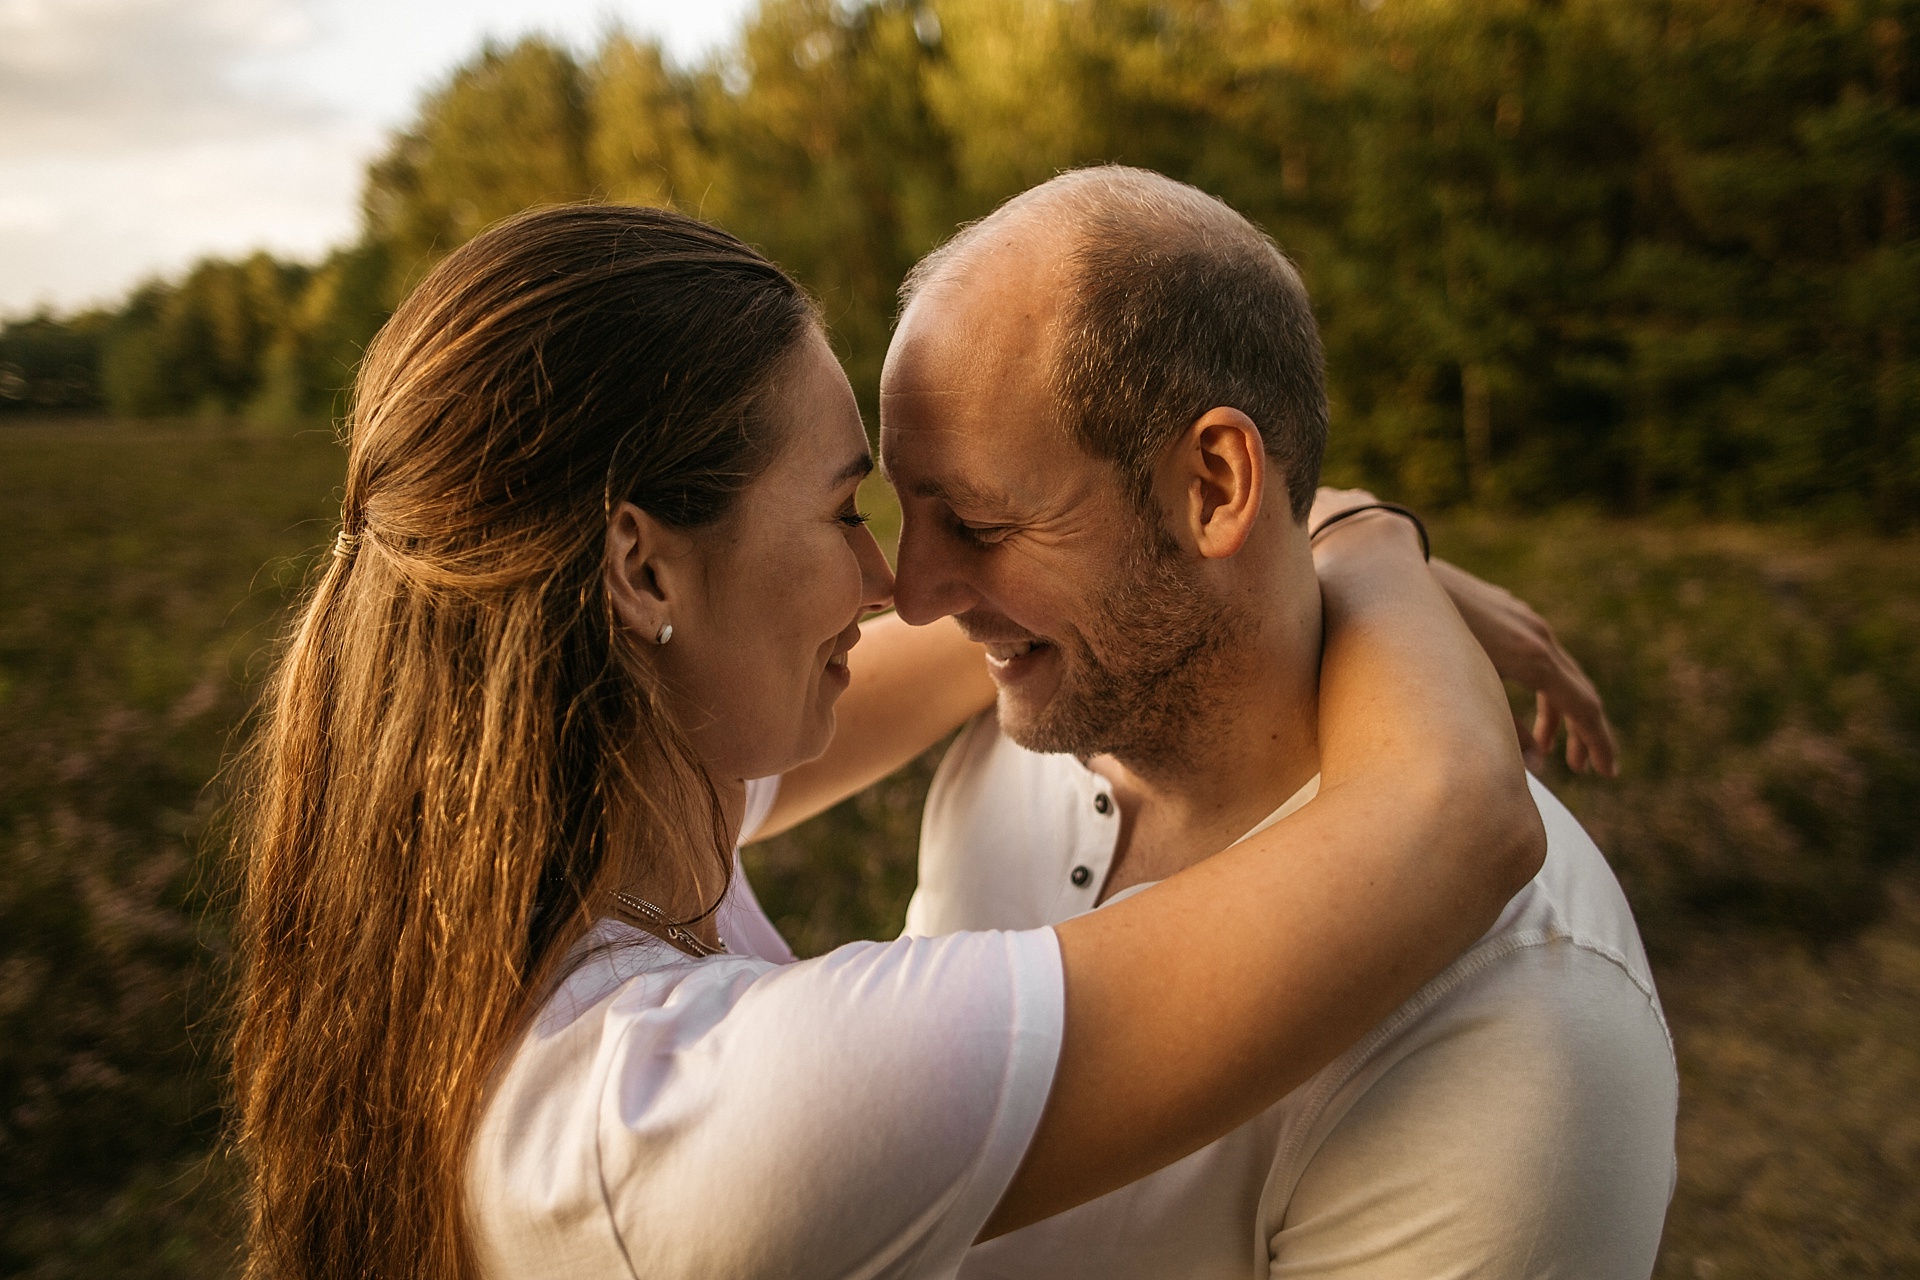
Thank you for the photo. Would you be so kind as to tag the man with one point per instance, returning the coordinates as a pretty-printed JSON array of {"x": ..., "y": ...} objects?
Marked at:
[{"x": 1104, "y": 411}]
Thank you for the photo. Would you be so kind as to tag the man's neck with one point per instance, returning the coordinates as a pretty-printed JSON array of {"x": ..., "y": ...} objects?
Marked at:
[{"x": 1255, "y": 746}]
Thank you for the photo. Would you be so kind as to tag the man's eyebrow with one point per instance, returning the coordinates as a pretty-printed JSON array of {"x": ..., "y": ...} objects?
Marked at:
[
  {"x": 957, "y": 493},
  {"x": 860, "y": 468}
]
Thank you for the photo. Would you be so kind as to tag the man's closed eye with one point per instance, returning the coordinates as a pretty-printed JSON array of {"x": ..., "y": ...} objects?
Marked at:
[{"x": 984, "y": 535}]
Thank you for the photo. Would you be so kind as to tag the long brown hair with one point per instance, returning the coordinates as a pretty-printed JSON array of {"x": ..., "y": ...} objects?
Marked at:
[{"x": 461, "y": 753}]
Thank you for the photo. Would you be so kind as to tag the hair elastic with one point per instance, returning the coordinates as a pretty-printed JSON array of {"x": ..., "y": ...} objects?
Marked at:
[{"x": 1426, "y": 546}]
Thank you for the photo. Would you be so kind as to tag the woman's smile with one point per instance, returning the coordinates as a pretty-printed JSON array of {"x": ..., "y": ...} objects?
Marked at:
[{"x": 838, "y": 673}]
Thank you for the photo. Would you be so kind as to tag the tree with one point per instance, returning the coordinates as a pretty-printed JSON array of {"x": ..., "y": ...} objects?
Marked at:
[
  {"x": 507, "y": 131},
  {"x": 1629, "y": 252}
]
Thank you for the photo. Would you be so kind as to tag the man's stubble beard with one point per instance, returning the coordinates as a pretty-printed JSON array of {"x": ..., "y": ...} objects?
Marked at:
[{"x": 1145, "y": 674}]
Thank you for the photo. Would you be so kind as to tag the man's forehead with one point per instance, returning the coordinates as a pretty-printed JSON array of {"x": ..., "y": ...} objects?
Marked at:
[
  {"x": 952, "y": 342},
  {"x": 934, "y": 446},
  {"x": 957, "y": 450},
  {"x": 968, "y": 363},
  {"x": 957, "y": 488},
  {"x": 966, "y": 400},
  {"x": 999, "y": 298}
]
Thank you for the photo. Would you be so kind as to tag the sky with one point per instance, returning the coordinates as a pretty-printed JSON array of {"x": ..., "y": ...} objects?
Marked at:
[{"x": 139, "y": 135}]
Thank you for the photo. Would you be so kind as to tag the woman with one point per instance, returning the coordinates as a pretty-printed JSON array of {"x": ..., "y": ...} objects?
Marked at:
[{"x": 600, "y": 564}]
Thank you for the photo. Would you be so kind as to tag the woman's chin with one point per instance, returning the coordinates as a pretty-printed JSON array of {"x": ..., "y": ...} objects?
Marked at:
[
  {"x": 806, "y": 746},
  {"x": 817, "y": 739}
]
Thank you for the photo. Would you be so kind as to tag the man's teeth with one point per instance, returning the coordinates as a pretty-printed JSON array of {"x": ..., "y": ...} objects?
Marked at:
[{"x": 1008, "y": 652}]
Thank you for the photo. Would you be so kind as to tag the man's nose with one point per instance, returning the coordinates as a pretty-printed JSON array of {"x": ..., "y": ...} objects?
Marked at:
[{"x": 928, "y": 584}]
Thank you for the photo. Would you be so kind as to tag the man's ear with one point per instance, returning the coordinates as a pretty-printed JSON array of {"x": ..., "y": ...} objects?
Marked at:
[
  {"x": 1211, "y": 482},
  {"x": 647, "y": 573}
]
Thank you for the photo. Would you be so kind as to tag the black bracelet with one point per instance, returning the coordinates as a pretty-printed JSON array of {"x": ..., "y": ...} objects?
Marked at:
[{"x": 1426, "y": 546}]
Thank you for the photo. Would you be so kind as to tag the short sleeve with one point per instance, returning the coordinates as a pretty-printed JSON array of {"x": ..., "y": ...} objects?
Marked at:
[{"x": 859, "y": 1114}]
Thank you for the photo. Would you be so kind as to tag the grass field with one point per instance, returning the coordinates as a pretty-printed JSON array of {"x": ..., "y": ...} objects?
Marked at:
[{"x": 1766, "y": 684}]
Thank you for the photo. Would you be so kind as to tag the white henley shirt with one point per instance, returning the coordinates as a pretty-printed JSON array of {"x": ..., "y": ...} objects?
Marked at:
[{"x": 1513, "y": 1119}]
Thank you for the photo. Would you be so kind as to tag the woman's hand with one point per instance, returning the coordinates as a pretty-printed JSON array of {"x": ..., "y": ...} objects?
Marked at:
[{"x": 1524, "y": 650}]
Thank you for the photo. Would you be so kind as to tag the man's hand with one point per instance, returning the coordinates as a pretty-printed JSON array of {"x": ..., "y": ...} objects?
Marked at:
[{"x": 1523, "y": 649}]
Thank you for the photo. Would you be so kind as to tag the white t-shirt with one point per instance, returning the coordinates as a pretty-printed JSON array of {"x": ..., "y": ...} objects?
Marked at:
[
  {"x": 743, "y": 926},
  {"x": 858, "y": 1114},
  {"x": 1514, "y": 1118}
]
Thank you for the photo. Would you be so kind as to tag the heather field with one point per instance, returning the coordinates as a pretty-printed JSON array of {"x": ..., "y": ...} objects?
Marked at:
[{"x": 1765, "y": 682}]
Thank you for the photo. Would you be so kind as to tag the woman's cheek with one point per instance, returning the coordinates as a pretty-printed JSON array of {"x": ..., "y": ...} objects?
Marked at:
[{"x": 850, "y": 582}]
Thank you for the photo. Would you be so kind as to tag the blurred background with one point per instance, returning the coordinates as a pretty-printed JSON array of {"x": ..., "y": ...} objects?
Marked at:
[{"x": 1625, "y": 292}]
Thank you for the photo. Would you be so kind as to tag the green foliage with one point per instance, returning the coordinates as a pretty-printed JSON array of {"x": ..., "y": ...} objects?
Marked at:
[
  {"x": 133, "y": 608},
  {"x": 49, "y": 365},
  {"x": 507, "y": 131},
  {"x": 641, "y": 146},
  {"x": 203, "y": 346},
  {"x": 1635, "y": 253},
  {"x": 258, "y": 339},
  {"x": 1766, "y": 689}
]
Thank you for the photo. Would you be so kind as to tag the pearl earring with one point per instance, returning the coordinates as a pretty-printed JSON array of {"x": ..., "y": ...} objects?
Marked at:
[{"x": 666, "y": 633}]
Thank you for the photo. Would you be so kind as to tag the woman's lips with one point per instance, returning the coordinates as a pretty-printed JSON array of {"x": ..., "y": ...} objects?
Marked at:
[{"x": 837, "y": 669}]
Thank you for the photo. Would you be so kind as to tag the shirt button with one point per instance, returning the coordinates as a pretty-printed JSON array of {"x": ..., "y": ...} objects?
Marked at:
[
  {"x": 1080, "y": 877},
  {"x": 1102, "y": 804}
]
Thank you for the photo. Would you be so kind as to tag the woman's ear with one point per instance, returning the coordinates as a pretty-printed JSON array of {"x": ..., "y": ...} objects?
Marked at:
[
  {"x": 648, "y": 574},
  {"x": 1211, "y": 482}
]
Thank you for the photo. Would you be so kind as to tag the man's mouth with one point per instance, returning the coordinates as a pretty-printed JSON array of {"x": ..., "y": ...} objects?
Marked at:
[{"x": 1012, "y": 662}]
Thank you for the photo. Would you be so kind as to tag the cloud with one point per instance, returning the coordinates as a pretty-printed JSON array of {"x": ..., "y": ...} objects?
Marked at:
[
  {"x": 122, "y": 75},
  {"x": 137, "y": 135},
  {"x": 78, "y": 229}
]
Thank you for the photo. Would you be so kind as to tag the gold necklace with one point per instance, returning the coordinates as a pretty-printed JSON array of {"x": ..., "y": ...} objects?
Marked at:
[{"x": 676, "y": 934}]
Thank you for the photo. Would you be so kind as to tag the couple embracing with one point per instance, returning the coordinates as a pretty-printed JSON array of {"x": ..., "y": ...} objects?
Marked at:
[{"x": 1244, "y": 944}]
